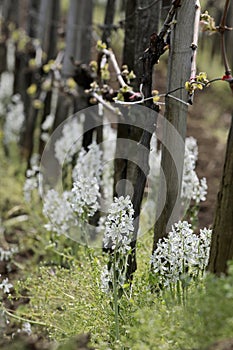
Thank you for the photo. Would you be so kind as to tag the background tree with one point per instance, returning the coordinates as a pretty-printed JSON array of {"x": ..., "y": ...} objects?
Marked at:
[
  {"x": 46, "y": 28},
  {"x": 142, "y": 19},
  {"x": 78, "y": 48}
]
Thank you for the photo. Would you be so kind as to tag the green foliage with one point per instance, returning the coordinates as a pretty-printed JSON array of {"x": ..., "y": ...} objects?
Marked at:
[
  {"x": 68, "y": 300},
  {"x": 206, "y": 318}
]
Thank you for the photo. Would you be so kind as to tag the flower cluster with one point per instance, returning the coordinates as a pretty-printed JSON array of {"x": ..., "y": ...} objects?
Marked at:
[
  {"x": 26, "y": 328},
  {"x": 119, "y": 225},
  {"x": 192, "y": 187},
  {"x": 6, "y": 89},
  {"x": 181, "y": 254},
  {"x": 84, "y": 199},
  {"x": 71, "y": 208},
  {"x": 74, "y": 207},
  {"x": 5, "y": 285},
  {"x": 14, "y": 120},
  {"x": 57, "y": 208},
  {"x": 46, "y": 126},
  {"x": 109, "y": 147},
  {"x": 89, "y": 164},
  {"x": 6, "y": 255},
  {"x": 117, "y": 238},
  {"x": 69, "y": 143},
  {"x": 33, "y": 177},
  {"x": 31, "y": 182}
]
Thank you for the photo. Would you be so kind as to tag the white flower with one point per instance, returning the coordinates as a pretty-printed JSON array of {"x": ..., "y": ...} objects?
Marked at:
[
  {"x": 6, "y": 255},
  {"x": 69, "y": 143},
  {"x": 118, "y": 235},
  {"x": 192, "y": 187},
  {"x": 14, "y": 121},
  {"x": 5, "y": 285},
  {"x": 106, "y": 279},
  {"x": 32, "y": 181},
  {"x": 71, "y": 208},
  {"x": 85, "y": 194},
  {"x": 109, "y": 148},
  {"x": 26, "y": 327},
  {"x": 182, "y": 252},
  {"x": 119, "y": 224},
  {"x": 59, "y": 211},
  {"x": 48, "y": 123},
  {"x": 89, "y": 164},
  {"x": 6, "y": 85}
]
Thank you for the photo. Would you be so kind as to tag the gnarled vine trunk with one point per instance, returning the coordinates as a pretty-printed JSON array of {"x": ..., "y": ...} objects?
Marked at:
[{"x": 222, "y": 239}]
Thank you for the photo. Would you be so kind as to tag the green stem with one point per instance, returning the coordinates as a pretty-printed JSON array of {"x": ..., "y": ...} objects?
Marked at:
[
  {"x": 38, "y": 323},
  {"x": 178, "y": 292},
  {"x": 115, "y": 296},
  {"x": 184, "y": 290}
]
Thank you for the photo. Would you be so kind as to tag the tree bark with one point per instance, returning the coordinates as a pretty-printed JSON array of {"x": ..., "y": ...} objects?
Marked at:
[
  {"x": 10, "y": 11},
  {"x": 32, "y": 18},
  {"x": 175, "y": 127},
  {"x": 142, "y": 19},
  {"x": 222, "y": 238},
  {"x": 78, "y": 35},
  {"x": 51, "y": 45}
]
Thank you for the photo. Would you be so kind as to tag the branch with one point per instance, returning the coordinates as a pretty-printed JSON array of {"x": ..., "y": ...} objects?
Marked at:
[
  {"x": 194, "y": 46},
  {"x": 168, "y": 20},
  {"x": 115, "y": 66},
  {"x": 222, "y": 29},
  {"x": 107, "y": 105}
]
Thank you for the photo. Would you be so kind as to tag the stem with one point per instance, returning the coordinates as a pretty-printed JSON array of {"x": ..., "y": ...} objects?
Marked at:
[
  {"x": 27, "y": 320},
  {"x": 168, "y": 20},
  {"x": 115, "y": 296},
  {"x": 115, "y": 66},
  {"x": 100, "y": 99},
  {"x": 184, "y": 290},
  {"x": 194, "y": 44},
  {"x": 178, "y": 292}
]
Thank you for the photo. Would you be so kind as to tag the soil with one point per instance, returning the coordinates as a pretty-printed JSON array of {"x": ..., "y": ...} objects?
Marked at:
[{"x": 211, "y": 155}]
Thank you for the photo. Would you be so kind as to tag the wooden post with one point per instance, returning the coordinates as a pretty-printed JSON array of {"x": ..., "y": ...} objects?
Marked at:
[{"x": 176, "y": 114}]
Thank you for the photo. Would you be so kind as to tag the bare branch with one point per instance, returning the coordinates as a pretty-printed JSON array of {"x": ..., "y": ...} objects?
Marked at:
[
  {"x": 115, "y": 66},
  {"x": 194, "y": 46},
  {"x": 168, "y": 20},
  {"x": 107, "y": 105}
]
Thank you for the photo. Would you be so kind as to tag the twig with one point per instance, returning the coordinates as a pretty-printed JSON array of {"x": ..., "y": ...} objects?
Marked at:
[
  {"x": 148, "y": 7},
  {"x": 168, "y": 20},
  {"x": 19, "y": 318},
  {"x": 194, "y": 44},
  {"x": 100, "y": 99},
  {"x": 222, "y": 29},
  {"x": 115, "y": 66},
  {"x": 168, "y": 94},
  {"x": 151, "y": 98}
]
